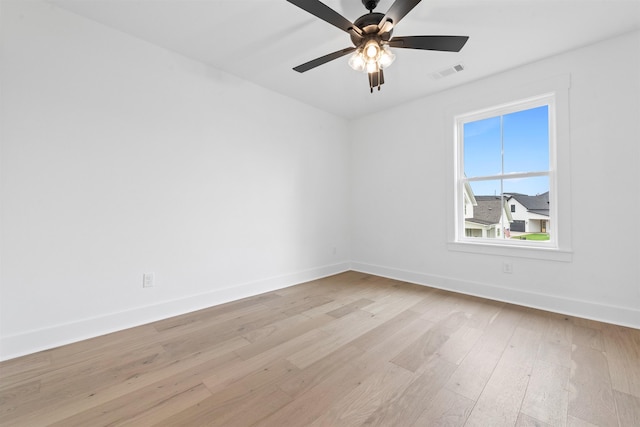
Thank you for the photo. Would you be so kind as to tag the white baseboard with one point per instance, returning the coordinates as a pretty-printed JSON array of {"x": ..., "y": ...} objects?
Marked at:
[
  {"x": 586, "y": 309},
  {"x": 55, "y": 336}
]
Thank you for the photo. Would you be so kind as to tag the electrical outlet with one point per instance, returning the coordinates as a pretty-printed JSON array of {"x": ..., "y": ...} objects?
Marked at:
[
  {"x": 147, "y": 280},
  {"x": 507, "y": 267}
]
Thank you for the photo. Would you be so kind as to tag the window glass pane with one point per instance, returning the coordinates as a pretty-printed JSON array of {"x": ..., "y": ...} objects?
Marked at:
[
  {"x": 526, "y": 140},
  {"x": 530, "y": 219},
  {"x": 485, "y": 210},
  {"x": 529, "y": 186},
  {"x": 486, "y": 188},
  {"x": 482, "y": 147}
]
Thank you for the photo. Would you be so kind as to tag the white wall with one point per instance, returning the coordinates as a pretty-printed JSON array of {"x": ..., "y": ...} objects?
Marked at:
[
  {"x": 120, "y": 158},
  {"x": 401, "y": 179}
]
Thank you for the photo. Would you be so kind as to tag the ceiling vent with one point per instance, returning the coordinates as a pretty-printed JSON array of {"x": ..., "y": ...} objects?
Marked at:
[{"x": 447, "y": 71}]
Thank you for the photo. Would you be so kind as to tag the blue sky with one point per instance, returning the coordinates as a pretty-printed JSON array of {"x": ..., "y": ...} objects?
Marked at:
[{"x": 525, "y": 135}]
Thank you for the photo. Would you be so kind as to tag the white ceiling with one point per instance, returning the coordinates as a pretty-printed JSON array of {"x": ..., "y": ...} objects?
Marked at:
[{"x": 261, "y": 40}]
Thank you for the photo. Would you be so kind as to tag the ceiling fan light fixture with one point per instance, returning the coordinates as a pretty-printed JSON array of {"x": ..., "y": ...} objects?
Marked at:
[
  {"x": 386, "y": 57},
  {"x": 371, "y": 35},
  {"x": 372, "y": 49},
  {"x": 372, "y": 57},
  {"x": 357, "y": 61}
]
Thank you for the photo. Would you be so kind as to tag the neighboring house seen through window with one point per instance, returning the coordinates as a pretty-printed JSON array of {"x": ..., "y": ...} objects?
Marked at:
[{"x": 505, "y": 174}]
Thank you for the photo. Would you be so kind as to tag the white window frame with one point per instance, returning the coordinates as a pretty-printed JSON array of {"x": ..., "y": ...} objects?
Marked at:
[
  {"x": 498, "y": 111},
  {"x": 553, "y": 92}
]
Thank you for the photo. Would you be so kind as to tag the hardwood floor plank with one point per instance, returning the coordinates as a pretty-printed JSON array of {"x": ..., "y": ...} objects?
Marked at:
[
  {"x": 14, "y": 397},
  {"x": 590, "y": 394},
  {"x": 166, "y": 408},
  {"x": 265, "y": 379},
  {"x": 577, "y": 422},
  {"x": 473, "y": 373},
  {"x": 307, "y": 304},
  {"x": 628, "y": 408},
  {"x": 390, "y": 305},
  {"x": 350, "y": 308},
  {"x": 341, "y": 332},
  {"x": 556, "y": 353},
  {"x": 315, "y": 401},
  {"x": 409, "y": 405},
  {"x": 430, "y": 299},
  {"x": 214, "y": 314},
  {"x": 547, "y": 396},
  {"x": 485, "y": 314},
  {"x": 437, "y": 340},
  {"x": 171, "y": 394},
  {"x": 528, "y": 421},
  {"x": 90, "y": 353},
  {"x": 446, "y": 409},
  {"x": 15, "y": 371},
  {"x": 421, "y": 350},
  {"x": 67, "y": 400},
  {"x": 268, "y": 331},
  {"x": 279, "y": 335},
  {"x": 445, "y": 307},
  {"x": 96, "y": 347},
  {"x": 389, "y": 346},
  {"x": 560, "y": 329},
  {"x": 385, "y": 331},
  {"x": 381, "y": 386},
  {"x": 346, "y": 350},
  {"x": 220, "y": 410},
  {"x": 307, "y": 378},
  {"x": 534, "y": 320},
  {"x": 588, "y": 337},
  {"x": 221, "y": 379},
  {"x": 459, "y": 344},
  {"x": 89, "y": 379},
  {"x": 191, "y": 342},
  {"x": 500, "y": 401},
  {"x": 622, "y": 347}
]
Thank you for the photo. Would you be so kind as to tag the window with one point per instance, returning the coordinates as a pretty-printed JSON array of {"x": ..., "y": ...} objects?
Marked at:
[
  {"x": 505, "y": 155},
  {"x": 497, "y": 99}
]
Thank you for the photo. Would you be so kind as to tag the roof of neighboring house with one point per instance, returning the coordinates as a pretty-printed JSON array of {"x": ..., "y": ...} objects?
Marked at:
[
  {"x": 537, "y": 204},
  {"x": 487, "y": 211}
]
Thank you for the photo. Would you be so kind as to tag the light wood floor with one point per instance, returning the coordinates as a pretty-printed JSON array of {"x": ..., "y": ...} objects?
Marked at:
[{"x": 347, "y": 350}]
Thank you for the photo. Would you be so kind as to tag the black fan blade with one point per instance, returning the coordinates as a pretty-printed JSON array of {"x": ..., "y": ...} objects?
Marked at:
[
  {"x": 325, "y": 13},
  {"x": 442, "y": 43},
  {"x": 397, "y": 11},
  {"x": 323, "y": 60}
]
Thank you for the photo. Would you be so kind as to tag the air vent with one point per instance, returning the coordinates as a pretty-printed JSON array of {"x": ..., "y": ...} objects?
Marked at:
[{"x": 448, "y": 71}]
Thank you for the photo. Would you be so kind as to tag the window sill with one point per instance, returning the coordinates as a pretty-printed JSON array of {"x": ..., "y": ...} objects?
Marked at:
[{"x": 541, "y": 253}]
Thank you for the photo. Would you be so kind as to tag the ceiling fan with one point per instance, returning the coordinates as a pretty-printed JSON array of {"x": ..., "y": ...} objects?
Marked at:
[{"x": 371, "y": 35}]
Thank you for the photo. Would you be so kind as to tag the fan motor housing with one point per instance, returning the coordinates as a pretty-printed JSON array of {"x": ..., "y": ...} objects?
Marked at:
[{"x": 369, "y": 25}]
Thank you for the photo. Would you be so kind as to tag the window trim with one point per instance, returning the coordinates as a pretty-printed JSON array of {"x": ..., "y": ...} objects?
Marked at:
[
  {"x": 548, "y": 100},
  {"x": 491, "y": 102}
]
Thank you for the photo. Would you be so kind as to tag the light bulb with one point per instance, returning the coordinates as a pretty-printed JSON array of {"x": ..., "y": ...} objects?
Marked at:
[
  {"x": 357, "y": 61},
  {"x": 372, "y": 50},
  {"x": 387, "y": 57},
  {"x": 372, "y": 67}
]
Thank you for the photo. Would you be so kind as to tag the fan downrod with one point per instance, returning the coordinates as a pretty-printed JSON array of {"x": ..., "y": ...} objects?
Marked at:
[{"x": 370, "y": 4}]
